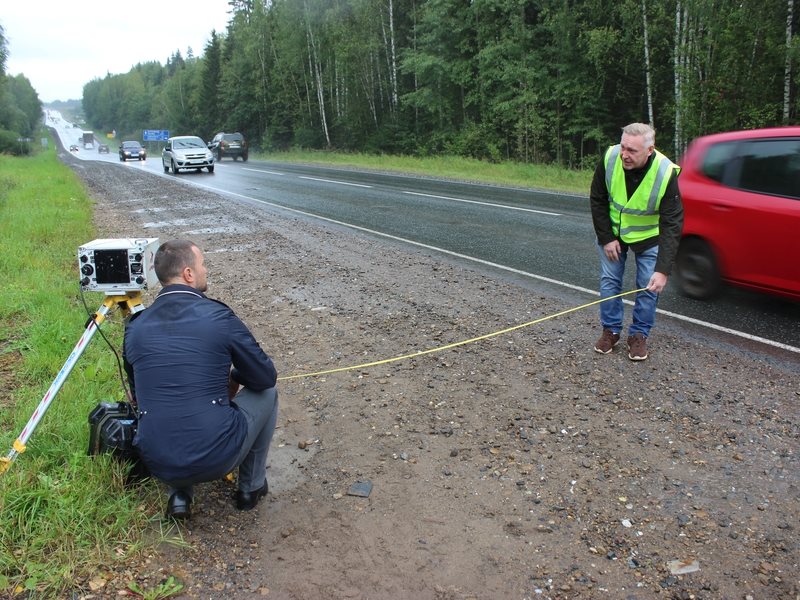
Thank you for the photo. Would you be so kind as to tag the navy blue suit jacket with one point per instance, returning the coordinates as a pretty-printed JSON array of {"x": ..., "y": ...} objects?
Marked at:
[{"x": 178, "y": 354}]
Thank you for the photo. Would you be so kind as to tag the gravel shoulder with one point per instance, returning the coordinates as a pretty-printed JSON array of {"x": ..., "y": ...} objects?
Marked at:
[{"x": 521, "y": 466}]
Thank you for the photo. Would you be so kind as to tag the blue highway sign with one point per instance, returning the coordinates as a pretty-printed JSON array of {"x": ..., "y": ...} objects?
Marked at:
[{"x": 156, "y": 135}]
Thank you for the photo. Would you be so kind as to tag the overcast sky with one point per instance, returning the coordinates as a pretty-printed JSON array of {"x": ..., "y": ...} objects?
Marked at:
[{"x": 60, "y": 45}]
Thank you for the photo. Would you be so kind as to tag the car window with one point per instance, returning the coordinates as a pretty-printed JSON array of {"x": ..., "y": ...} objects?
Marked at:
[
  {"x": 232, "y": 136},
  {"x": 190, "y": 143},
  {"x": 771, "y": 167},
  {"x": 717, "y": 158}
]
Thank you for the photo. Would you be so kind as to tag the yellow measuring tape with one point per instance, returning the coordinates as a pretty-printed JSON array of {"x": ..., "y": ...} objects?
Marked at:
[{"x": 461, "y": 343}]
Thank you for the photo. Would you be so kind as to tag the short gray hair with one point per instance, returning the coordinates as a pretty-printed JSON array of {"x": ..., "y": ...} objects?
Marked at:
[
  {"x": 641, "y": 129},
  {"x": 172, "y": 258}
]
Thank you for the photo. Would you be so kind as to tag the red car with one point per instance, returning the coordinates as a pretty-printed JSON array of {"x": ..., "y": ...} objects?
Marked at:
[{"x": 741, "y": 196}]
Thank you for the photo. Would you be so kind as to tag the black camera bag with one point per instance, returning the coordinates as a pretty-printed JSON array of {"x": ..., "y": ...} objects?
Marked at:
[{"x": 112, "y": 427}]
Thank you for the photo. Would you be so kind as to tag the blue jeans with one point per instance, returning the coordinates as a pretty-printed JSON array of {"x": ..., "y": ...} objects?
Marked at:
[
  {"x": 261, "y": 412},
  {"x": 644, "y": 308}
]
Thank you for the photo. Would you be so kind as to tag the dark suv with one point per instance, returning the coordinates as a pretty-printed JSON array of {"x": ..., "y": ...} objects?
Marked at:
[{"x": 229, "y": 144}]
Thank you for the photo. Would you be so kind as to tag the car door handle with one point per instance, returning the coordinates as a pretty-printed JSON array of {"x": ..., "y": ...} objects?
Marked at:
[{"x": 722, "y": 207}]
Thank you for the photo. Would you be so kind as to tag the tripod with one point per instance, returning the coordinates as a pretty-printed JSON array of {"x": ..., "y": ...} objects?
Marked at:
[{"x": 128, "y": 303}]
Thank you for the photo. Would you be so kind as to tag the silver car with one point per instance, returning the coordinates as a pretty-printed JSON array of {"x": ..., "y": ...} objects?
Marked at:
[{"x": 186, "y": 152}]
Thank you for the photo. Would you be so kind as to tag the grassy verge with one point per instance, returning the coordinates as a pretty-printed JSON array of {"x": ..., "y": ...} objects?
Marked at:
[
  {"x": 547, "y": 177},
  {"x": 65, "y": 516}
]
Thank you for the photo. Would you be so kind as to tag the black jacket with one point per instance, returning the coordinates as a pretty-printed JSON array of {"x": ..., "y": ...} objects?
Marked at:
[
  {"x": 178, "y": 353},
  {"x": 670, "y": 221}
]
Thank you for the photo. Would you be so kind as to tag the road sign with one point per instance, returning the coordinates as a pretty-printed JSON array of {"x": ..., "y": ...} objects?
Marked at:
[{"x": 156, "y": 135}]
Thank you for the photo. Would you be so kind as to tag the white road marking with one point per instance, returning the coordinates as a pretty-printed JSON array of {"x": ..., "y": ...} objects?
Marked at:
[
  {"x": 262, "y": 171},
  {"x": 541, "y": 212},
  {"x": 361, "y": 185}
]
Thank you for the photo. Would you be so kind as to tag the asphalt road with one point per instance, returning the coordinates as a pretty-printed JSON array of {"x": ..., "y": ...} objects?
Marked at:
[{"x": 522, "y": 232}]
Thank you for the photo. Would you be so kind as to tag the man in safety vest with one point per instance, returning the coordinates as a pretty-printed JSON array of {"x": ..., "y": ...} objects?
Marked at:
[{"x": 636, "y": 205}]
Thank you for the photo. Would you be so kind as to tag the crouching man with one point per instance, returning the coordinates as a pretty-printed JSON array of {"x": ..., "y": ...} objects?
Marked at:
[{"x": 205, "y": 389}]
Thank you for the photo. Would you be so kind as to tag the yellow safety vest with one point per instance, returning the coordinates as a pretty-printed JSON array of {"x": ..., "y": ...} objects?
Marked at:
[{"x": 636, "y": 218}]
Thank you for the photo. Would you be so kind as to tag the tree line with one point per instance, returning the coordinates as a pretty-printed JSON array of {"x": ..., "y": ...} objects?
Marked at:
[
  {"x": 546, "y": 81},
  {"x": 20, "y": 107}
]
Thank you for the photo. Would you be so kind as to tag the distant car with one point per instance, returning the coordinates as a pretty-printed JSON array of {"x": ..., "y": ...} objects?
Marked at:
[
  {"x": 103, "y": 149},
  {"x": 133, "y": 150},
  {"x": 741, "y": 196},
  {"x": 229, "y": 144},
  {"x": 186, "y": 152},
  {"x": 73, "y": 148}
]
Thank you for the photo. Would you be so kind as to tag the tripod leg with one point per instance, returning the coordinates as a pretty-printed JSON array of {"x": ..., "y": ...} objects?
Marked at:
[{"x": 91, "y": 328}]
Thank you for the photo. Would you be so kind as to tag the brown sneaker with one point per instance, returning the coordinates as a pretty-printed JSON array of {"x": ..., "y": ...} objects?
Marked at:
[
  {"x": 637, "y": 347},
  {"x": 606, "y": 342}
]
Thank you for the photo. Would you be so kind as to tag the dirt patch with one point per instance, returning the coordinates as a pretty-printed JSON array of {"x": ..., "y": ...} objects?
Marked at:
[
  {"x": 523, "y": 466},
  {"x": 9, "y": 367}
]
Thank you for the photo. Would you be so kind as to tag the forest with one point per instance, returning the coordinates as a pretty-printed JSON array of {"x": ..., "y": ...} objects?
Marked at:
[
  {"x": 20, "y": 108},
  {"x": 539, "y": 81}
]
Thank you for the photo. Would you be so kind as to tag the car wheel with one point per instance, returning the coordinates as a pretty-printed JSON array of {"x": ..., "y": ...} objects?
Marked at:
[
  {"x": 121, "y": 159},
  {"x": 697, "y": 269},
  {"x": 219, "y": 155},
  {"x": 210, "y": 168},
  {"x": 174, "y": 168},
  {"x": 244, "y": 157}
]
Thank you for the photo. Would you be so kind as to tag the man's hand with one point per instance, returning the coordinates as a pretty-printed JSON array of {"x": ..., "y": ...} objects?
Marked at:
[
  {"x": 657, "y": 283},
  {"x": 612, "y": 250},
  {"x": 233, "y": 387}
]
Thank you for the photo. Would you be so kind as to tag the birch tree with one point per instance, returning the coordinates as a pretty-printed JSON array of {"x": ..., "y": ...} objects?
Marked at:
[
  {"x": 315, "y": 68},
  {"x": 787, "y": 71},
  {"x": 680, "y": 61},
  {"x": 647, "y": 65}
]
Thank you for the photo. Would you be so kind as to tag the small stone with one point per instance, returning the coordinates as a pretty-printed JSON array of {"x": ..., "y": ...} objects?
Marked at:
[{"x": 669, "y": 581}]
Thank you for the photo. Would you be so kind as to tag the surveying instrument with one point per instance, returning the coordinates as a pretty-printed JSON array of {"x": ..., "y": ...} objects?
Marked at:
[{"x": 120, "y": 268}]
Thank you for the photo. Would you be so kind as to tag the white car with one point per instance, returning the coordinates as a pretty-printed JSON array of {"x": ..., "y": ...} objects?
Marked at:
[{"x": 186, "y": 152}]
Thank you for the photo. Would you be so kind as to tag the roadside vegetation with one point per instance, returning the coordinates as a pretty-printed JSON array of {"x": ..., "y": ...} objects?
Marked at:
[
  {"x": 66, "y": 516},
  {"x": 20, "y": 108}
]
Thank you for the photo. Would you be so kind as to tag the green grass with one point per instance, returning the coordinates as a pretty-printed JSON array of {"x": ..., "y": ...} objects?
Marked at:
[
  {"x": 65, "y": 515},
  {"x": 547, "y": 177}
]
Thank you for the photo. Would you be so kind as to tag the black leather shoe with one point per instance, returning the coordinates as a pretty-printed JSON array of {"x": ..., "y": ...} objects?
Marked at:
[
  {"x": 248, "y": 500},
  {"x": 178, "y": 505}
]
